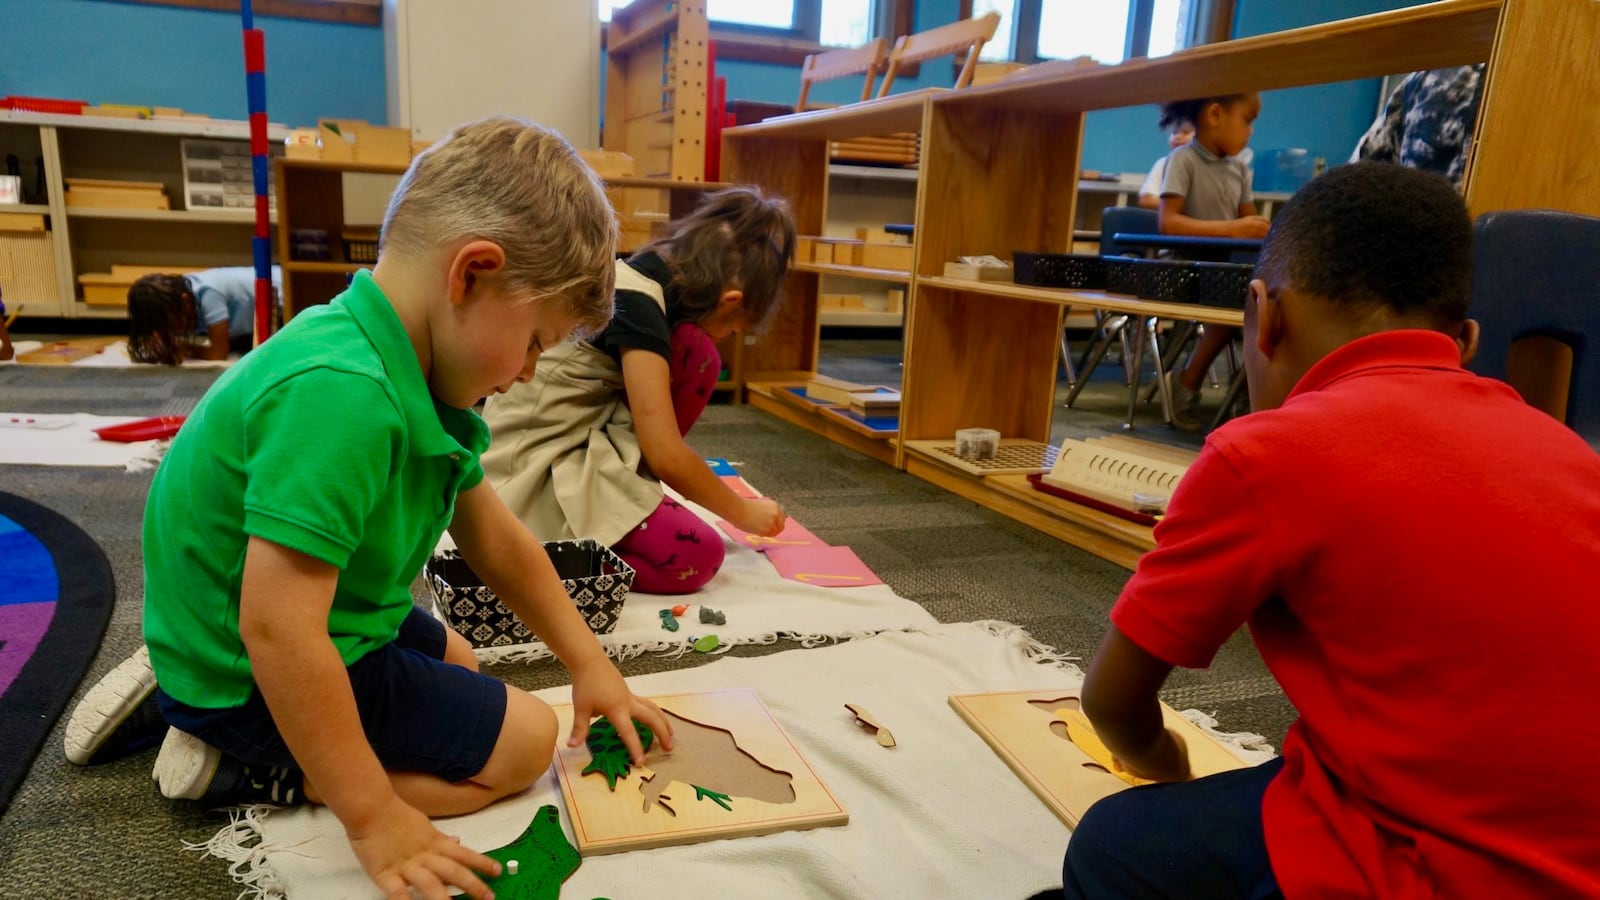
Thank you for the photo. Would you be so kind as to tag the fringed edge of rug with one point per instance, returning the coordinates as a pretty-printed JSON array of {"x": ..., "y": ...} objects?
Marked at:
[
  {"x": 531, "y": 653},
  {"x": 1253, "y": 748},
  {"x": 149, "y": 457},
  {"x": 242, "y": 844}
]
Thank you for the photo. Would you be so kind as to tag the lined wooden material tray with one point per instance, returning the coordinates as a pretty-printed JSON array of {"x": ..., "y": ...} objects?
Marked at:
[{"x": 1017, "y": 456}]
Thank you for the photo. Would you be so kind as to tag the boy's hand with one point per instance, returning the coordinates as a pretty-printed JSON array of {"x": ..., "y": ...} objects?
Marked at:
[
  {"x": 598, "y": 690},
  {"x": 1251, "y": 227},
  {"x": 402, "y": 852},
  {"x": 1170, "y": 762},
  {"x": 762, "y": 516}
]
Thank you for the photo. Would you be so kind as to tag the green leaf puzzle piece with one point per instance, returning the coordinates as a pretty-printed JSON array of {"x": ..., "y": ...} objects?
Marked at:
[
  {"x": 707, "y": 644},
  {"x": 545, "y": 859},
  {"x": 608, "y": 754},
  {"x": 722, "y": 800}
]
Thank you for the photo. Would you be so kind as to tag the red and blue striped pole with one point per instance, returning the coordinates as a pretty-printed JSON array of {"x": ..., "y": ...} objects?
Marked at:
[{"x": 255, "y": 79}]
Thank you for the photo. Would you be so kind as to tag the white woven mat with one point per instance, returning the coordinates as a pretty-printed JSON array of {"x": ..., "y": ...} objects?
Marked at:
[
  {"x": 74, "y": 445},
  {"x": 940, "y": 815}
]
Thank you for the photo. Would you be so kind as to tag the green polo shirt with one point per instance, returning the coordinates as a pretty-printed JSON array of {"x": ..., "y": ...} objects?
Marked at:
[{"x": 325, "y": 440}]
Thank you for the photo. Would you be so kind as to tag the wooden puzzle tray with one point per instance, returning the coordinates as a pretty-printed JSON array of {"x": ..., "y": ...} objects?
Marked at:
[
  {"x": 1023, "y": 728},
  {"x": 1016, "y": 456},
  {"x": 732, "y": 773}
]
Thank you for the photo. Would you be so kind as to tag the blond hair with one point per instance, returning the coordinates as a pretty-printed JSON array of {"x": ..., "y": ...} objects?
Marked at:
[{"x": 523, "y": 187}]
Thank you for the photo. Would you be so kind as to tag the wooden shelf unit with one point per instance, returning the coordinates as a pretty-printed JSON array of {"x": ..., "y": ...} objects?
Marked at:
[
  {"x": 999, "y": 174},
  {"x": 311, "y": 194},
  {"x": 82, "y": 240}
]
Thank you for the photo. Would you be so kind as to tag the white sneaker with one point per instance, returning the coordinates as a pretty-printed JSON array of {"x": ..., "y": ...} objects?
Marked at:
[
  {"x": 185, "y": 766},
  {"x": 1185, "y": 405},
  {"x": 117, "y": 716},
  {"x": 190, "y": 769}
]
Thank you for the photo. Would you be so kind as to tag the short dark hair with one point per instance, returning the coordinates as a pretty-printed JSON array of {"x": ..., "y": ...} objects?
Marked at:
[
  {"x": 1375, "y": 233},
  {"x": 161, "y": 318},
  {"x": 1180, "y": 111},
  {"x": 737, "y": 237}
]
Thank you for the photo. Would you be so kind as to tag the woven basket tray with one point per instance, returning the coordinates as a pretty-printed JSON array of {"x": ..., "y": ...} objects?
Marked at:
[
  {"x": 1059, "y": 270},
  {"x": 1222, "y": 284},
  {"x": 1163, "y": 279}
]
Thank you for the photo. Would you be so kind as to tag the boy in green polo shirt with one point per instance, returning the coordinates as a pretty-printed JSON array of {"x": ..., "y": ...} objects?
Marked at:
[{"x": 303, "y": 495}]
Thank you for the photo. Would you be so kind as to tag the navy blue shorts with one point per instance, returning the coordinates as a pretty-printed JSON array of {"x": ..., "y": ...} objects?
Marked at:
[{"x": 420, "y": 713}]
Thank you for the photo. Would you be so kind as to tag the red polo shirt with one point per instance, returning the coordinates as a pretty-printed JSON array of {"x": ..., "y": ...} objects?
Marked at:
[{"x": 1417, "y": 553}]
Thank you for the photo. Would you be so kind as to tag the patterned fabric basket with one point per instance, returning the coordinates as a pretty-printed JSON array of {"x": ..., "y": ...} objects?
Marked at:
[
  {"x": 1165, "y": 279},
  {"x": 1059, "y": 270},
  {"x": 1222, "y": 284},
  {"x": 596, "y": 579}
]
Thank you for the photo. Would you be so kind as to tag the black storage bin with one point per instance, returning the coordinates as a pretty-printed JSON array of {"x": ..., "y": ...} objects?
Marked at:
[
  {"x": 595, "y": 578},
  {"x": 1059, "y": 270},
  {"x": 1165, "y": 279},
  {"x": 1122, "y": 274},
  {"x": 1222, "y": 284}
]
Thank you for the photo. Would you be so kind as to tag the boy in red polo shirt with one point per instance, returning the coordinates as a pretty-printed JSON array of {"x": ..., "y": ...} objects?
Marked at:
[{"x": 1415, "y": 551}]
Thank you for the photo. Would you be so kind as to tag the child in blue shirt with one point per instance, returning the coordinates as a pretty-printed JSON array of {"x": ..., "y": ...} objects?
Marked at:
[{"x": 165, "y": 312}]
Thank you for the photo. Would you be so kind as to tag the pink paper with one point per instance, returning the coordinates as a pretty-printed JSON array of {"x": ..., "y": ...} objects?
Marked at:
[
  {"x": 793, "y": 535},
  {"x": 739, "y": 486},
  {"x": 822, "y": 566}
]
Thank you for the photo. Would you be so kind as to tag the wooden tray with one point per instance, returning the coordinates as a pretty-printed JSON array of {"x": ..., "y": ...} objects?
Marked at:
[{"x": 1016, "y": 456}]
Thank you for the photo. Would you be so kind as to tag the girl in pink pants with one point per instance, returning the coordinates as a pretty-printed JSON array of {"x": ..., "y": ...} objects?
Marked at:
[{"x": 583, "y": 449}]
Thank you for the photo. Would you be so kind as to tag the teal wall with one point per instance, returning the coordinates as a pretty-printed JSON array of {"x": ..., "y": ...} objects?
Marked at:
[{"x": 111, "y": 52}]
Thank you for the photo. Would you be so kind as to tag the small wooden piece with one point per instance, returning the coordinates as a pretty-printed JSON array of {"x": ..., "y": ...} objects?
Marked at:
[
  {"x": 1016, "y": 725},
  {"x": 865, "y": 719},
  {"x": 883, "y": 255},
  {"x": 607, "y": 822}
]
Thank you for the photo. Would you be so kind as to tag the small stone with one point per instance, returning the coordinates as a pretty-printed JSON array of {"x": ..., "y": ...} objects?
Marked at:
[{"x": 709, "y": 616}]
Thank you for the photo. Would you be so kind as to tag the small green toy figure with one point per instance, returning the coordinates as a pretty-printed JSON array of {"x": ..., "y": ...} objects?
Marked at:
[{"x": 668, "y": 620}]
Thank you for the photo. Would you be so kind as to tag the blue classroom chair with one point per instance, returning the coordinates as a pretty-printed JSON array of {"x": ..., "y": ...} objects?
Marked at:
[{"x": 1536, "y": 274}]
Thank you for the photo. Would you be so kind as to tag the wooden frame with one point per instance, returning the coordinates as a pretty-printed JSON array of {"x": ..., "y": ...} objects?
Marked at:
[
  {"x": 1019, "y": 729},
  {"x": 615, "y": 821},
  {"x": 348, "y": 12},
  {"x": 818, "y": 67},
  {"x": 965, "y": 36}
]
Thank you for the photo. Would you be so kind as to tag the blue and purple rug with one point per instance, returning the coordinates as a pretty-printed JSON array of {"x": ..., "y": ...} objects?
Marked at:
[{"x": 56, "y": 593}]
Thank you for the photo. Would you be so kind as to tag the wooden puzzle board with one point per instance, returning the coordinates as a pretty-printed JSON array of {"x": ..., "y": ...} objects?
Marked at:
[
  {"x": 606, "y": 821},
  {"x": 65, "y": 353},
  {"x": 1015, "y": 456},
  {"x": 1050, "y": 764}
]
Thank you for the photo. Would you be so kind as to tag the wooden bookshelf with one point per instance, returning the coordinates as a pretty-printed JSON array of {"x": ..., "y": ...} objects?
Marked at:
[{"x": 999, "y": 173}]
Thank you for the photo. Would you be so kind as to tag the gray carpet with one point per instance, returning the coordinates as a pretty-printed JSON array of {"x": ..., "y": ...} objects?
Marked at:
[{"x": 105, "y": 832}]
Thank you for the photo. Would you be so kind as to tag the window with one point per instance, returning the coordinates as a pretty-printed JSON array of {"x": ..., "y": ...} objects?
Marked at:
[
  {"x": 1107, "y": 30},
  {"x": 831, "y": 23}
]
